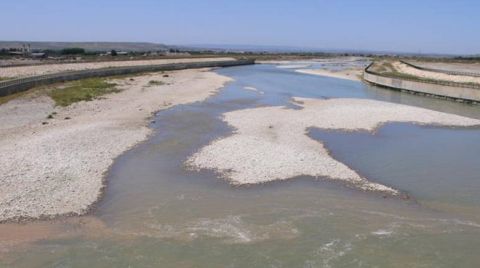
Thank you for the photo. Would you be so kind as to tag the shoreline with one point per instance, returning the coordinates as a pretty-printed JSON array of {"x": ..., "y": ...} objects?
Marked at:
[
  {"x": 348, "y": 74},
  {"x": 352, "y": 71},
  {"x": 59, "y": 167}
]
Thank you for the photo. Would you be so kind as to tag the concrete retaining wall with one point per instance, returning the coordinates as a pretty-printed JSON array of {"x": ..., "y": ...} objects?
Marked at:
[
  {"x": 440, "y": 70},
  {"x": 22, "y": 84},
  {"x": 447, "y": 91}
]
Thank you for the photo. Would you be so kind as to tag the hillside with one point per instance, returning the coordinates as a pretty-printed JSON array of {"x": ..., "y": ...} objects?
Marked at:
[{"x": 89, "y": 46}]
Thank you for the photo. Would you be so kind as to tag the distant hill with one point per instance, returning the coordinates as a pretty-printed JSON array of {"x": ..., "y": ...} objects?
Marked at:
[
  {"x": 250, "y": 48},
  {"x": 294, "y": 49},
  {"x": 88, "y": 46}
]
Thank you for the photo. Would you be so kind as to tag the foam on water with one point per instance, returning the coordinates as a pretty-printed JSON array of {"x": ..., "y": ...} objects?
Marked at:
[{"x": 232, "y": 229}]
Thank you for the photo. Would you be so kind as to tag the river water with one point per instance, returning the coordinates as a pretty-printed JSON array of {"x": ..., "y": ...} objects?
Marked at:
[{"x": 157, "y": 214}]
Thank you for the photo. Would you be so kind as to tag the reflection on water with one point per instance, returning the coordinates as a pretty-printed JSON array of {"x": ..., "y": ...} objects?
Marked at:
[{"x": 155, "y": 213}]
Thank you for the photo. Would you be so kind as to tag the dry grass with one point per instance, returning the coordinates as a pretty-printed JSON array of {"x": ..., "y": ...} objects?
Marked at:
[{"x": 10, "y": 97}]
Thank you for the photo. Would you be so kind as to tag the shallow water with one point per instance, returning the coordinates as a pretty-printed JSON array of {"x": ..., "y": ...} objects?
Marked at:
[{"x": 157, "y": 214}]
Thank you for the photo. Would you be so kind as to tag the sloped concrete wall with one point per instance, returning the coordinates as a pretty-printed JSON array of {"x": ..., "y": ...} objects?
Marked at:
[
  {"x": 461, "y": 93},
  {"x": 22, "y": 84}
]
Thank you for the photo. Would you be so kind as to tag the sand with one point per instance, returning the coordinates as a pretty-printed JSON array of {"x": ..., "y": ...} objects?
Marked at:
[
  {"x": 351, "y": 69},
  {"x": 308, "y": 62},
  {"x": 403, "y": 68},
  {"x": 24, "y": 71},
  {"x": 58, "y": 168},
  {"x": 271, "y": 144},
  {"x": 350, "y": 74},
  {"x": 293, "y": 66},
  {"x": 473, "y": 67}
]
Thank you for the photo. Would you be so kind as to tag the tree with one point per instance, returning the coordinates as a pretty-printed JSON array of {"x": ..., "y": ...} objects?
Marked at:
[
  {"x": 73, "y": 51},
  {"x": 113, "y": 52}
]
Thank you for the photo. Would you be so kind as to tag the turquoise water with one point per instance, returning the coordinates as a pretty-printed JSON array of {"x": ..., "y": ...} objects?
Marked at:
[{"x": 157, "y": 214}]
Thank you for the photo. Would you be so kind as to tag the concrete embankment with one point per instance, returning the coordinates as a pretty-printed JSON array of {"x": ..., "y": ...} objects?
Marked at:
[
  {"x": 22, "y": 84},
  {"x": 439, "y": 70},
  {"x": 442, "y": 89}
]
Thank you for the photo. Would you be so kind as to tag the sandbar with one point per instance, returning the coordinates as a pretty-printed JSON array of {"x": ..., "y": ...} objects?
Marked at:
[{"x": 271, "y": 143}]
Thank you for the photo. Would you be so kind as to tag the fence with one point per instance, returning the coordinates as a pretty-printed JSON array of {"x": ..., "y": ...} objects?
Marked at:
[{"x": 21, "y": 84}]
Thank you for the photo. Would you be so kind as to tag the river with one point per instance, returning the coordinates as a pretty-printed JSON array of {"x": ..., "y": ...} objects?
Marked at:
[{"x": 155, "y": 213}]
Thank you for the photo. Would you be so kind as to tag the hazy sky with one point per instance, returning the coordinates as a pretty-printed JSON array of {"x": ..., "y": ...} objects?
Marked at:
[{"x": 428, "y": 26}]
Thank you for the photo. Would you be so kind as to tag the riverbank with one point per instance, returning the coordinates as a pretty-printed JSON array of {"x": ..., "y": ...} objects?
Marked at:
[
  {"x": 409, "y": 70},
  {"x": 33, "y": 70},
  {"x": 401, "y": 76},
  {"x": 54, "y": 158},
  {"x": 349, "y": 74},
  {"x": 350, "y": 68}
]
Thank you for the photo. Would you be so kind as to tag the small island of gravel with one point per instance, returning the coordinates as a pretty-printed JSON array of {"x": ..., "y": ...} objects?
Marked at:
[{"x": 270, "y": 143}]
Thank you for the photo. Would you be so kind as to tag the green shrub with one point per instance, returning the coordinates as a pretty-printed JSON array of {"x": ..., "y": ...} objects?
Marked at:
[
  {"x": 155, "y": 83},
  {"x": 82, "y": 90}
]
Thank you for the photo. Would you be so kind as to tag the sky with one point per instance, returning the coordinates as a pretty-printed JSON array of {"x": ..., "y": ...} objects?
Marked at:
[{"x": 416, "y": 26}]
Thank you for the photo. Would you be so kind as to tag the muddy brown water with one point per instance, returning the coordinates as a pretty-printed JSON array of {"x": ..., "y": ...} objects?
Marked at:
[{"x": 157, "y": 214}]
